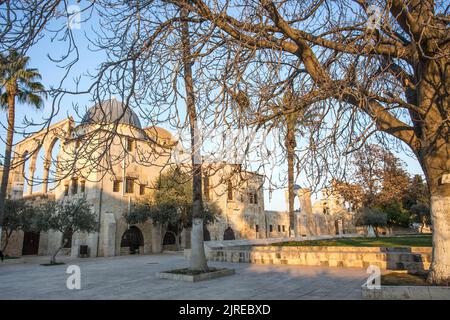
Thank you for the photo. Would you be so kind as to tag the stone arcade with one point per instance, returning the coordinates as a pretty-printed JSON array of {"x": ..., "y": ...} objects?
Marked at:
[{"x": 239, "y": 194}]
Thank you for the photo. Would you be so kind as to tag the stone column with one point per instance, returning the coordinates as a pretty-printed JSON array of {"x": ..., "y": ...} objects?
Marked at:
[
  {"x": 304, "y": 196},
  {"x": 156, "y": 239},
  {"x": 108, "y": 235}
]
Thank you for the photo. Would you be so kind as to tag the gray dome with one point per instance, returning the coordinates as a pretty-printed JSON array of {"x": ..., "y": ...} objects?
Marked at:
[{"x": 111, "y": 111}]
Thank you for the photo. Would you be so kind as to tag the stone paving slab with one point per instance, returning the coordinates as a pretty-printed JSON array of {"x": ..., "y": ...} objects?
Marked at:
[{"x": 134, "y": 277}]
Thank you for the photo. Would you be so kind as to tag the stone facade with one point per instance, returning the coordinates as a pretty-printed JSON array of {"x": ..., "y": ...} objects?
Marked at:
[
  {"x": 111, "y": 191},
  {"x": 328, "y": 216}
]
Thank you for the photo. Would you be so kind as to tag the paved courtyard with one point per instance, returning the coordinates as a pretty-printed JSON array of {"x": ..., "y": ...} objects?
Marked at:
[{"x": 133, "y": 277}]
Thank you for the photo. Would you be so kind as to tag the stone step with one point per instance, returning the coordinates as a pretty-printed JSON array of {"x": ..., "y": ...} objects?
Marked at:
[{"x": 385, "y": 260}]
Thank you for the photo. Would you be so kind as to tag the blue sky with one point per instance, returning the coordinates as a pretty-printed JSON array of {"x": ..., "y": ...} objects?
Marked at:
[{"x": 88, "y": 61}]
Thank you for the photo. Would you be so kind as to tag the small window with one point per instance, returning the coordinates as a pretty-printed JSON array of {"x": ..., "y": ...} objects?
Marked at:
[
  {"x": 279, "y": 228},
  {"x": 66, "y": 190},
  {"x": 230, "y": 191},
  {"x": 284, "y": 229},
  {"x": 257, "y": 228},
  {"x": 129, "y": 185},
  {"x": 270, "y": 228},
  {"x": 250, "y": 198},
  {"x": 116, "y": 186},
  {"x": 142, "y": 189},
  {"x": 130, "y": 144},
  {"x": 255, "y": 200},
  {"x": 83, "y": 186},
  {"x": 74, "y": 186}
]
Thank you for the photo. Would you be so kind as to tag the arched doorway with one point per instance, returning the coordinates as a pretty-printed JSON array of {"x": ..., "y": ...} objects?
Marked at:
[
  {"x": 206, "y": 234},
  {"x": 133, "y": 239},
  {"x": 170, "y": 241},
  {"x": 30, "y": 243},
  {"x": 228, "y": 234}
]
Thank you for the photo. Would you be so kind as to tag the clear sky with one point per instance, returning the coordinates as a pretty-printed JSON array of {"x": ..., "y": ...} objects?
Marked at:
[{"x": 88, "y": 61}]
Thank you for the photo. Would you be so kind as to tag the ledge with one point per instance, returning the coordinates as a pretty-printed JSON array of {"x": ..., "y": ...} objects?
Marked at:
[
  {"x": 406, "y": 293},
  {"x": 170, "y": 275}
]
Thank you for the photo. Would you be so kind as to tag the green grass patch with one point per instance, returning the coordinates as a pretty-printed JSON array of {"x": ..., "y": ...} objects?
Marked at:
[{"x": 403, "y": 241}]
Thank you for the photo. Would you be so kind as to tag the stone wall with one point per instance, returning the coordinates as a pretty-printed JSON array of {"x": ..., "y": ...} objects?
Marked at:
[{"x": 414, "y": 258}]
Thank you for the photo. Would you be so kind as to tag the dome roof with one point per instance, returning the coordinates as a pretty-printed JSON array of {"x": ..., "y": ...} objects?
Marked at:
[{"x": 111, "y": 111}]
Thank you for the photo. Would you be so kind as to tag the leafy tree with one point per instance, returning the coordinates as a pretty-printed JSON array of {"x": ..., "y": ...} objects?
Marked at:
[
  {"x": 19, "y": 216},
  {"x": 67, "y": 217},
  {"x": 421, "y": 213},
  {"x": 21, "y": 83},
  {"x": 171, "y": 203},
  {"x": 373, "y": 217},
  {"x": 396, "y": 214},
  {"x": 417, "y": 192}
]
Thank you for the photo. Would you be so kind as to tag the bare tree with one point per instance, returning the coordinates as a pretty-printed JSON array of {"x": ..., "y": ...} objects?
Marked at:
[{"x": 388, "y": 72}]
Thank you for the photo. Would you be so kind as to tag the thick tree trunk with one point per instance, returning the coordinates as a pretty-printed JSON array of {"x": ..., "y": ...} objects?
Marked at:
[
  {"x": 5, "y": 244},
  {"x": 7, "y": 159},
  {"x": 198, "y": 257},
  {"x": 433, "y": 151},
  {"x": 440, "y": 215}
]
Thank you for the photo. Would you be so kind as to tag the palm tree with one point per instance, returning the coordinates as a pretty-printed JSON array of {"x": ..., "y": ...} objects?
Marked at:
[
  {"x": 295, "y": 114},
  {"x": 21, "y": 83}
]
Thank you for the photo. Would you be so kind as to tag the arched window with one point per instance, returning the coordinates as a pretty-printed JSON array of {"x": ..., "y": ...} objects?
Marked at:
[
  {"x": 26, "y": 172},
  {"x": 53, "y": 158},
  {"x": 39, "y": 169}
]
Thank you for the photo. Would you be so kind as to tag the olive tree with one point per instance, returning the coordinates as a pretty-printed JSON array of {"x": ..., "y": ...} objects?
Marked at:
[{"x": 67, "y": 217}]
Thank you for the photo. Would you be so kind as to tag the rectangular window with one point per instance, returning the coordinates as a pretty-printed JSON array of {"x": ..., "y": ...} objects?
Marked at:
[
  {"x": 142, "y": 189},
  {"x": 83, "y": 186},
  {"x": 250, "y": 198},
  {"x": 284, "y": 229},
  {"x": 270, "y": 228},
  {"x": 206, "y": 187},
  {"x": 129, "y": 185},
  {"x": 130, "y": 144},
  {"x": 230, "y": 191},
  {"x": 66, "y": 190},
  {"x": 255, "y": 200},
  {"x": 116, "y": 186},
  {"x": 257, "y": 228},
  {"x": 279, "y": 228},
  {"x": 74, "y": 186}
]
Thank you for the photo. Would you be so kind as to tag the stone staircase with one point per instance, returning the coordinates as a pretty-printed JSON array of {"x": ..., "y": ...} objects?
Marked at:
[{"x": 391, "y": 258}]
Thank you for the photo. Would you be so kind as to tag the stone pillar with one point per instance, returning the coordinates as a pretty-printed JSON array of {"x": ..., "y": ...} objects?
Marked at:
[
  {"x": 156, "y": 239},
  {"x": 108, "y": 235},
  {"x": 304, "y": 196}
]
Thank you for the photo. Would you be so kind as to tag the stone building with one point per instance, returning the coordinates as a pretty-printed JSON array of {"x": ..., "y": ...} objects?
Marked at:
[
  {"x": 111, "y": 160},
  {"x": 329, "y": 215}
]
